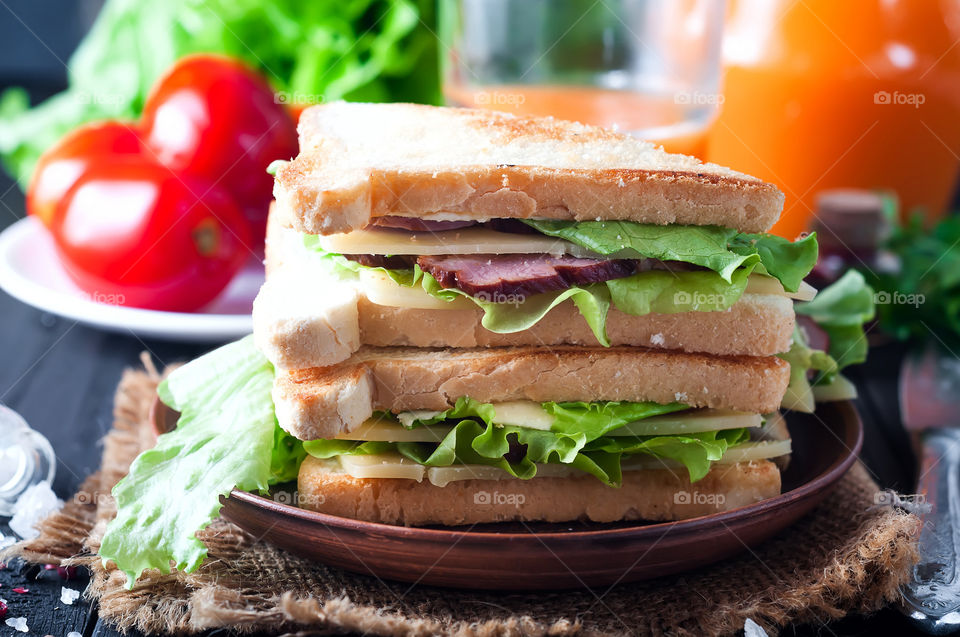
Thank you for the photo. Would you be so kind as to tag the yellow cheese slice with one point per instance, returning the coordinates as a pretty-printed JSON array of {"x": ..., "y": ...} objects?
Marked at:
[
  {"x": 799, "y": 397},
  {"x": 442, "y": 476},
  {"x": 763, "y": 284},
  {"x": 522, "y": 413},
  {"x": 474, "y": 240},
  {"x": 691, "y": 421},
  {"x": 382, "y": 290},
  {"x": 840, "y": 389},
  {"x": 386, "y": 465}
]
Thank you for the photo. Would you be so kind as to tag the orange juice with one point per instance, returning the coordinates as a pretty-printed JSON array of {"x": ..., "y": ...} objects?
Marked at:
[
  {"x": 842, "y": 93},
  {"x": 662, "y": 120}
]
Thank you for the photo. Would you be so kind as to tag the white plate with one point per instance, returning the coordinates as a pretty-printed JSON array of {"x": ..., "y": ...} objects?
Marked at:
[{"x": 30, "y": 271}]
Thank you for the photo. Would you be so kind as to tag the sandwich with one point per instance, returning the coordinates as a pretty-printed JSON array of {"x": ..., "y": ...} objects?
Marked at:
[
  {"x": 471, "y": 317},
  {"x": 478, "y": 229}
]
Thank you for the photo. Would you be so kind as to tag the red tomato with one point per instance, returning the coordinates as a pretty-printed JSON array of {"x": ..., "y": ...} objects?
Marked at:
[
  {"x": 60, "y": 166},
  {"x": 212, "y": 116},
  {"x": 133, "y": 232}
]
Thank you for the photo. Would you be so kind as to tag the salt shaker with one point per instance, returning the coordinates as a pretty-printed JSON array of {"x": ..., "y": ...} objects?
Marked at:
[{"x": 26, "y": 459}]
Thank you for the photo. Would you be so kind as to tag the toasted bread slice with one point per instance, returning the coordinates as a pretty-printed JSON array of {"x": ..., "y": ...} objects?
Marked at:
[
  {"x": 297, "y": 329},
  {"x": 651, "y": 494},
  {"x": 324, "y": 402},
  {"x": 361, "y": 161}
]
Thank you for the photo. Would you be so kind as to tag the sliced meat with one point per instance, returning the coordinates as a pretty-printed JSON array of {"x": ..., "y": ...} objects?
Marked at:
[
  {"x": 420, "y": 225},
  {"x": 396, "y": 262},
  {"x": 496, "y": 276}
]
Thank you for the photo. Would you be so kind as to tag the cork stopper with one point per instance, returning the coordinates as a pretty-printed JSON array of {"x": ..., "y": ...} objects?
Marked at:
[{"x": 850, "y": 221}]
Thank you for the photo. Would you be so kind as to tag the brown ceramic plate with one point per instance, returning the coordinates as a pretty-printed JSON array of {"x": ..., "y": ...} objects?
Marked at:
[{"x": 555, "y": 556}]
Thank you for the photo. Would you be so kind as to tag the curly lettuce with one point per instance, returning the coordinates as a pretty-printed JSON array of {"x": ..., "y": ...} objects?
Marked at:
[
  {"x": 576, "y": 438},
  {"x": 841, "y": 310},
  {"x": 722, "y": 250},
  {"x": 227, "y": 438}
]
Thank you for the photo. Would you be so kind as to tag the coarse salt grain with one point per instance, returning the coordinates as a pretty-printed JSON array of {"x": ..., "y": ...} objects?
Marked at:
[
  {"x": 33, "y": 505},
  {"x": 753, "y": 629},
  {"x": 18, "y": 623},
  {"x": 69, "y": 595}
]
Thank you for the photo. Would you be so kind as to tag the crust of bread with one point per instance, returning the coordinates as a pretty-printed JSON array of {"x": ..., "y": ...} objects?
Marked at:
[
  {"x": 324, "y": 402},
  {"x": 656, "y": 495},
  {"x": 361, "y": 161}
]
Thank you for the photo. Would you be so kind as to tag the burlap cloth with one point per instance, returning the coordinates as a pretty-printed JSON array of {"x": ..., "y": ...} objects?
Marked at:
[{"x": 848, "y": 556}]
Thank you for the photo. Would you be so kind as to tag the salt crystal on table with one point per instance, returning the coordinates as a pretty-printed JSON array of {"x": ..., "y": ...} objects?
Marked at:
[
  {"x": 18, "y": 623},
  {"x": 74, "y": 633},
  {"x": 68, "y": 595},
  {"x": 753, "y": 629},
  {"x": 34, "y": 504}
]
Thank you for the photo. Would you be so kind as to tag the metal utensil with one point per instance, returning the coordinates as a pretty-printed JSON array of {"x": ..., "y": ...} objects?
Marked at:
[{"x": 930, "y": 406}]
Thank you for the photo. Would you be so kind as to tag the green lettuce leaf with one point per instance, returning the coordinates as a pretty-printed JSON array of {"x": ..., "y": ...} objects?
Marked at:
[
  {"x": 696, "y": 451},
  {"x": 227, "y": 437},
  {"x": 803, "y": 358},
  {"x": 722, "y": 250},
  {"x": 600, "y": 418},
  {"x": 577, "y": 437},
  {"x": 705, "y": 246},
  {"x": 841, "y": 309},
  {"x": 672, "y": 292},
  {"x": 788, "y": 261}
]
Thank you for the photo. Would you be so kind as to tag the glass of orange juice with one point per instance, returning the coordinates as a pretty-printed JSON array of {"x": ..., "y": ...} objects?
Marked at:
[
  {"x": 647, "y": 67},
  {"x": 826, "y": 94}
]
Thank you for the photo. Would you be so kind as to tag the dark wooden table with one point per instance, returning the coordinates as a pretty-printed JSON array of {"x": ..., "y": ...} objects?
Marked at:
[{"x": 61, "y": 376}]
